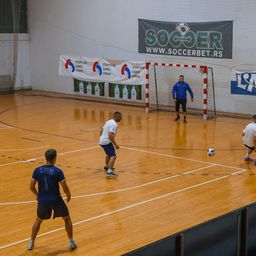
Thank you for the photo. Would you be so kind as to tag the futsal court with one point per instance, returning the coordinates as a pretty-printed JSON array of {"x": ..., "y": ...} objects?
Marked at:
[{"x": 166, "y": 181}]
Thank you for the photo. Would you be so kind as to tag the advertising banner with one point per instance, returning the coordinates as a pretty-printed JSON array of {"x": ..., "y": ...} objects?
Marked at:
[
  {"x": 243, "y": 82},
  {"x": 100, "y": 70},
  {"x": 89, "y": 88},
  {"x": 125, "y": 92},
  {"x": 191, "y": 39}
]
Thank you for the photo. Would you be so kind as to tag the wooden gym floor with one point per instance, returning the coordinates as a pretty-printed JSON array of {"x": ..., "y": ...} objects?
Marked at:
[{"x": 166, "y": 183}]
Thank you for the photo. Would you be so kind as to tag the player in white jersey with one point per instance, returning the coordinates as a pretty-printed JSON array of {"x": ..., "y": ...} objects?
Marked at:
[
  {"x": 108, "y": 143},
  {"x": 249, "y": 139}
]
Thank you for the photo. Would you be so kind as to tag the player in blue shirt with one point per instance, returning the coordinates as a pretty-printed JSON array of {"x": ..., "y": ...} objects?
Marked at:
[
  {"x": 49, "y": 199},
  {"x": 179, "y": 93}
]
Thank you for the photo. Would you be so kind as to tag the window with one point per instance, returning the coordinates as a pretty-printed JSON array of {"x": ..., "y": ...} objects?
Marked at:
[{"x": 13, "y": 16}]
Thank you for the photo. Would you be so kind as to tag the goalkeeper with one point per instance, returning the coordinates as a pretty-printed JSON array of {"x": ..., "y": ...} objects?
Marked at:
[{"x": 179, "y": 93}]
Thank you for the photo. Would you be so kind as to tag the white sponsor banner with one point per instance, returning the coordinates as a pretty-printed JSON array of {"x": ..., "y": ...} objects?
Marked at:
[{"x": 100, "y": 70}]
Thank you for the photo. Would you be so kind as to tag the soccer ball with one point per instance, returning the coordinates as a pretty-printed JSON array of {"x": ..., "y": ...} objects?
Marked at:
[{"x": 211, "y": 151}]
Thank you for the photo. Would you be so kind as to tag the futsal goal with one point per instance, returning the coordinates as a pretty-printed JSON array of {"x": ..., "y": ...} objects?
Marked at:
[{"x": 160, "y": 78}]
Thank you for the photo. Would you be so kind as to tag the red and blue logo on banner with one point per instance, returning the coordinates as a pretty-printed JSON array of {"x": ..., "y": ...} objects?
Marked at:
[
  {"x": 97, "y": 67},
  {"x": 69, "y": 64},
  {"x": 125, "y": 70}
]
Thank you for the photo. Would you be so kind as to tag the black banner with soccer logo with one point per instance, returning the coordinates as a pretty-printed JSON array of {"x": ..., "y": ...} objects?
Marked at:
[{"x": 197, "y": 39}]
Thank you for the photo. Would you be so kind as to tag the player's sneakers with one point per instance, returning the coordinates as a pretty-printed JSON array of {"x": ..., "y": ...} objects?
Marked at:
[
  {"x": 177, "y": 118},
  {"x": 184, "y": 120},
  {"x": 111, "y": 175},
  {"x": 31, "y": 245},
  {"x": 71, "y": 245},
  {"x": 247, "y": 158},
  {"x": 106, "y": 168}
]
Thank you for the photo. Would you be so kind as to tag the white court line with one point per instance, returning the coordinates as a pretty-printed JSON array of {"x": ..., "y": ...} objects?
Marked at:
[
  {"x": 17, "y": 203},
  {"x": 22, "y": 149},
  {"x": 78, "y": 150},
  {"x": 36, "y": 158},
  {"x": 182, "y": 158},
  {"x": 119, "y": 190},
  {"x": 126, "y": 208},
  {"x": 12, "y": 163},
  {"x": 4, "y": 128},
  {"x": 29, "y": 160}
]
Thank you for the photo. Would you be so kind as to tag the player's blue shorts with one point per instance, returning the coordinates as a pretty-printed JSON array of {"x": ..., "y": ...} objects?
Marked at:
[
  {"x": 109, "y": 149},
  {"x": 44, "y": 209}
]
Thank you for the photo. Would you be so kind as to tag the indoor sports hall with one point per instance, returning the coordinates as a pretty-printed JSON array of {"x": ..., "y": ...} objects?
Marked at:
[{"x": 183, "y": 76}]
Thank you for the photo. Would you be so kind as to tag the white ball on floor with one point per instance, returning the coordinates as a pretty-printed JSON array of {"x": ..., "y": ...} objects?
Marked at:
[{"x": 211, "y": 151}]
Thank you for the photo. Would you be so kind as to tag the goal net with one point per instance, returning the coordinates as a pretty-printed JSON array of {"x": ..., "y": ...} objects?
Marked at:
[{"x": 162, "y": 77}]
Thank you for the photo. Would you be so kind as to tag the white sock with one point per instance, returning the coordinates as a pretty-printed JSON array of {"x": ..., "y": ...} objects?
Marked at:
[{"x": 110, "y": 170}]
